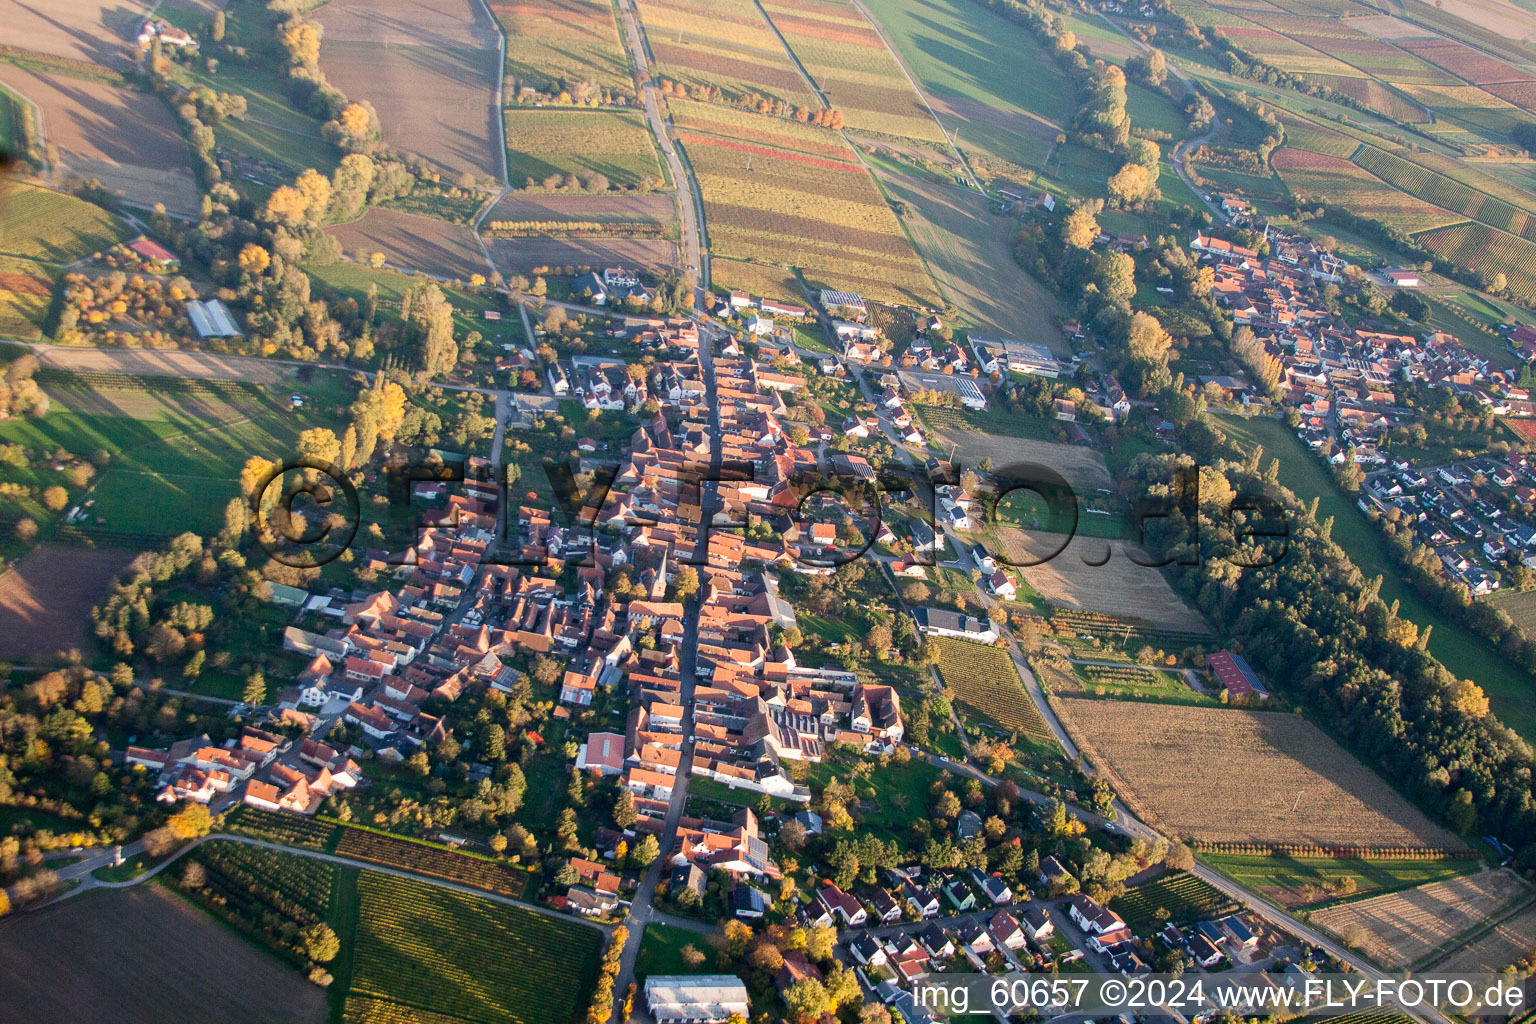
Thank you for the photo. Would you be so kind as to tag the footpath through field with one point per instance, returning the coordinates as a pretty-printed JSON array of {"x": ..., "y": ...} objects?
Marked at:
[{"x": 81, "y": 871}]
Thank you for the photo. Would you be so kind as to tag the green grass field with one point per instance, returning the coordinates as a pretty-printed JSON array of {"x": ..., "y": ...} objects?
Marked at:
[
  {"x": 1296, "y": 882},
  {"x": 1511, "y": 691},
  {"x": 965, "y": 247},
  {"x": 271, "y": 129},
  {"x": 173, "y": 459},
  {"x": 954, "y": 48},
  {"x": 661, "y": 951}
]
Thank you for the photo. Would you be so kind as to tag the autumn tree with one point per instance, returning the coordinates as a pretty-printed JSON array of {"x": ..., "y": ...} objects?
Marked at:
[
  {"x": 254, "y": 260},
  {"x": 1081, "y": 227}
]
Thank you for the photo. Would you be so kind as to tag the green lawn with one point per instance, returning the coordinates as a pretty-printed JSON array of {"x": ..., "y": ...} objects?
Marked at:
[
  {"x": 1287, "y": 879},
  {"x": 1151, "y": 110},
  {"x": 661, "y": 952},
  {"x": 1511, "y": 691},
  {"x": 351, "y": 280},
  {"x": 271, "y": 129}
]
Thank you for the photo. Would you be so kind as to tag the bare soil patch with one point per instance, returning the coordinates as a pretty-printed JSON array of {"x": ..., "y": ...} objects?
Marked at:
[
  {"x": 1229, "y": 775},
  {"x": 1117, "y": 587},
  {"x": 91, "y": 30},
  {"x": 413, "y": 242},
  {"x": 521, "y": 255},
  {"x": 1401, "y": 927},
  {"x": 151, "y": 959},
  {"x": 429, "y": 67},
  {"x": 127, "y": 140},
  {"x": 46, "y": 598}
]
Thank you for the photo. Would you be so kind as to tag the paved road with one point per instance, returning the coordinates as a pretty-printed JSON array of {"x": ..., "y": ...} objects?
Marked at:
[
  {"x": 689, "y": 203},
  {"x": 642, "y": 908}
]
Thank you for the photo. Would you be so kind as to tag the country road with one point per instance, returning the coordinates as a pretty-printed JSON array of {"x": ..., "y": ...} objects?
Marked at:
[
  {"x": 690, "y": 204},
  {"x": 82, "y": 871}
]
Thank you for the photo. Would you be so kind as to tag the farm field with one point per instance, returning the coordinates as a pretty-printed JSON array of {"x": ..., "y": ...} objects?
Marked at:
[
  {"x": 1497, "y": 948},
  {"x": 431, "y": 860},
  {"x": 88, "y": 30},
  {"x": 778, "y": 132},
  {"x": 40, "y": 230},
  {"x": 1082, "y": 465},
  {"x": 46, "y": 598},
  {"x": 1489, "y": 252},
  {"x": 26, "y": 290},
  {"x": 966, "y": 249},
  {"x": 1509, "y": 689},
  {"x": 49, "y": 227},
  {"x": 613, "y": 143},
  {"x": 162, "y": 363},
  {"x": 524, "y": 207},
  {"x": 1518, "y": 606},
  {"x": 127, "y": 140},
  {"x": 236, "y": 982},
  {"x": 737, "y": 52},
  {"x": 1436, "y": 188},
  {"x": 554, "y": 44},
  {"x": 434, "y": 954},
  {"x": 1118, "y": 586},
  {"x": 1311, "y": 175},
  {"x": 413, "y": 242},
  {"x": 1164, "y": 761},
  {"x": 985, "y": 679},
  {"x": 1400, "y": 928},
  {"x": 853, "y": 68},
  {"x": 757, "y": 279},
  {"x": 823, "y": 215},
  {"x": 529, "y": 255},
  {"x": 953, "y": 49},
  {"x": 429, "y": 68},
  {"x": 1185, "y": 897},
  {"x": 1302, "y": 881}
]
